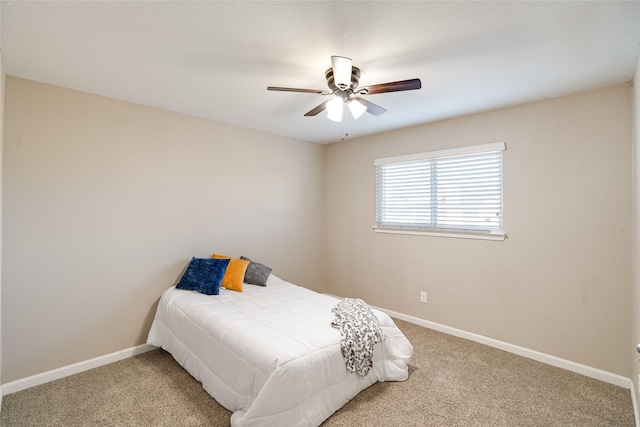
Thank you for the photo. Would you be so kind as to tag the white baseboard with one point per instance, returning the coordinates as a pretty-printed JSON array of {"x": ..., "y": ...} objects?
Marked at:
[
  {"x": 65, "y": 371},
  {"x": 635, "y": 405},
  {"x": 578, "y": 368}
]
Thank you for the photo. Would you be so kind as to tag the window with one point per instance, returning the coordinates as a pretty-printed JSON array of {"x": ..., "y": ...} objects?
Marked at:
[{"x": 455, "y": 192}]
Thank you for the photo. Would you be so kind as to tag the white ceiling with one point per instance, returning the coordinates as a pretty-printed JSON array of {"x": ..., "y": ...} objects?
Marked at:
[{"x": 216, "y": 59}]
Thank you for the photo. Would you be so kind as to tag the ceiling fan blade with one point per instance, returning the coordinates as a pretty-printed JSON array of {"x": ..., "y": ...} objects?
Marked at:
[
  {"x": 372, "y": 108},
  {"x": 291, "y": 89},
  {"x": 412, "y": 84},
  {"x": 318, "y": 109}
]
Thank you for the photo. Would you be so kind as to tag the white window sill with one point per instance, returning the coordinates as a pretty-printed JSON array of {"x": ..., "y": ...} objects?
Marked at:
[{"x": 452, "y": 234}]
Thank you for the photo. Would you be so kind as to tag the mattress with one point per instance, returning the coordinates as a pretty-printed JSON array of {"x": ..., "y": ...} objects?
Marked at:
[{"x": 269, "y": 354}]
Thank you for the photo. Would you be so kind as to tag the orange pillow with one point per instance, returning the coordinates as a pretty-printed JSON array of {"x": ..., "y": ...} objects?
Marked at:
[{"x": 234, "y": 276}]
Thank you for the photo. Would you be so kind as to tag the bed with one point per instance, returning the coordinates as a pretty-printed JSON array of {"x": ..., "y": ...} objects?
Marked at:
[{"x": 269, "y": 354}]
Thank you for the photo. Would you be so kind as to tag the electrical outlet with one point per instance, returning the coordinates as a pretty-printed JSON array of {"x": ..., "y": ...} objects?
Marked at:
[{"x": 423, "y": 296}]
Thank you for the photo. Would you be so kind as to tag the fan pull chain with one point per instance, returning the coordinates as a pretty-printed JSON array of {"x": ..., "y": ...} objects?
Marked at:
[{"x": 345, "y": 127}]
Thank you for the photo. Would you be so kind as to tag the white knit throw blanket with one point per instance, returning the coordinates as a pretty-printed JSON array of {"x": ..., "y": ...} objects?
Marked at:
[{"x": 360, "y": 331}]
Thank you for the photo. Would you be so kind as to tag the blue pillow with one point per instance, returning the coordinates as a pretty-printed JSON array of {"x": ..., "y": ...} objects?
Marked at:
[{"x": 204, "y": 275}]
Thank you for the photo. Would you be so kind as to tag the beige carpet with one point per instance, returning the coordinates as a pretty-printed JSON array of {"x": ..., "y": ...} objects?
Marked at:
[{"x": 452, "y": 382}]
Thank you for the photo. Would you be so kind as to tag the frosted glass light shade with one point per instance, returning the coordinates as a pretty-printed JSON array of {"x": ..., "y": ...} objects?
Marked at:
[
  {"x": 335, "y": 107},
  {"x": 356, "y": 108}
]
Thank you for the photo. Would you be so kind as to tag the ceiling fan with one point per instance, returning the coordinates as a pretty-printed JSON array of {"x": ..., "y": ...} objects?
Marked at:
[{"x": 342, "y": 79}]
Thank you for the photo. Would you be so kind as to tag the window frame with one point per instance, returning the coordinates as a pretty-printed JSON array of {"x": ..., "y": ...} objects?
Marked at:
[{"x": 440, "y": 230}]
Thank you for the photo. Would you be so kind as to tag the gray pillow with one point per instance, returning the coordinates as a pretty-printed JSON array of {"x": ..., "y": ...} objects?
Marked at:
[{"x": 256, "y": 274}]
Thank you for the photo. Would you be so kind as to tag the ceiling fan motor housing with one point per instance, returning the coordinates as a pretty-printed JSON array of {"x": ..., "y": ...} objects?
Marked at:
[{"x": 355, "y": 79}]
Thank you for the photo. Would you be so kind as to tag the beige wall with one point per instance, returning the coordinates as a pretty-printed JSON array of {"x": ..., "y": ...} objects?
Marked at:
[
  {"x": 635, "y": 301},
  {"x": 561, "y": 282},
  {"x": 2, "y": 81},
  {"x": 105, "y": 202}
]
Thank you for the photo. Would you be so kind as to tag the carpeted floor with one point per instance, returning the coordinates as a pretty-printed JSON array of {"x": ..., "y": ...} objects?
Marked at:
[{"x": 452, "y": 382}]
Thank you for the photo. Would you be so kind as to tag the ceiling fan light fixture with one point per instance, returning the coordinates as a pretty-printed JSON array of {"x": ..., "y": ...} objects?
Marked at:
[
  {"x": 336, "y": 117},
  {"x": 356, "y": 108},
  {"x": 343, "y": 79},
  {"x": 335, "y": 108},
  {"x": 341, "y": 71}
]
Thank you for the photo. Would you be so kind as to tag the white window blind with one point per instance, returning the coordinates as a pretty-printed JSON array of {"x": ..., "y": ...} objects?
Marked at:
[{"x": 458, "y": 190}]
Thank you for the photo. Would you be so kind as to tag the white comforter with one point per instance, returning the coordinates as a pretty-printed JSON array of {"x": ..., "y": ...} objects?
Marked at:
[{"x": 269, "y": 354}]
